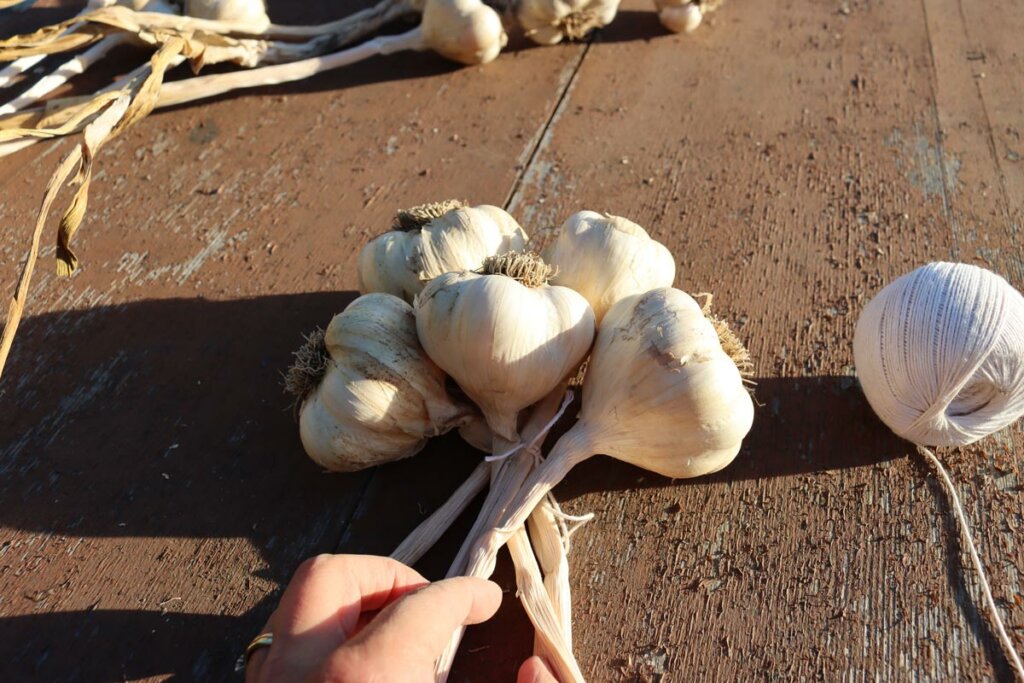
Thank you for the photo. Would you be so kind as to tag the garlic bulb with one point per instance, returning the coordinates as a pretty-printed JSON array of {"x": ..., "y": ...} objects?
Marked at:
[
  {"x": 506, "y": 336},
  {"x": 679, "y": 16},
  {"x": 607, "y": 258},
  {"x": 548, "y": 22},
  {"x": 661, "y": 392},
  {"x": 369, "y": 394},
  {"x": 464, "y": 31},
  {"x": 235, "y": 11},
  {"x": 435, "y": 239}
]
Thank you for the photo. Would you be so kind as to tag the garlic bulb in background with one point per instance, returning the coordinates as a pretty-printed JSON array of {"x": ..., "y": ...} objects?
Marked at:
[
  {"x": 368, "y": 393},
  {"x": 506, "y": 337},
  {"x": 464, "y": 31},
  {"x": 435, "y": 239},
  {"x": 236, "y": 11},
  {"x": 679, "y": 16},
  {"x": 607, "y": 258},
  {"x": 548, "y": 22}
]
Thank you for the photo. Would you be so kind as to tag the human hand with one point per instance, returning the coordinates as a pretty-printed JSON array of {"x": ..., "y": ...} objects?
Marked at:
[{"x": 365, "y": 618}]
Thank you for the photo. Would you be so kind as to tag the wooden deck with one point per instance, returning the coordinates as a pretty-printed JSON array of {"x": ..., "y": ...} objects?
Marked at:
[{"x": 795, "y": 156}]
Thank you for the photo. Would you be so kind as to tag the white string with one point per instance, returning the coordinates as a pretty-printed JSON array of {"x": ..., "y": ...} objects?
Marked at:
[
  {"x": 540, "y": 435},
  {"x": 1008, "y": 648}
]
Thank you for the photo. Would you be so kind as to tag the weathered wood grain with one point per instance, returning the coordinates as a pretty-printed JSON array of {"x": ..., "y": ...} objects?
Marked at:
[
  {"x": 796, "y": 156},
  {"x": 154, "y": 494}
]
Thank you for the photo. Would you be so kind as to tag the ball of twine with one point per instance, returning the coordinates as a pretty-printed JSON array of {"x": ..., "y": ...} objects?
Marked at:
[{"x": 940, "y": 354}]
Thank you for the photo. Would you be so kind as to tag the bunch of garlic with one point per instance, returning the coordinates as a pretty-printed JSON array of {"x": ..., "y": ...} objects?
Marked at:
[{"x": 664, "y": 389}]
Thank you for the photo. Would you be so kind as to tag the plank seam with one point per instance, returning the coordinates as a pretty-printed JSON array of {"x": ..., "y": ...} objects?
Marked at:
[
  {"x": 556, "y": 111},
  {"x": 947, "y": 201},
  {"x": 992, "y": 148},
  {"x": 353, "y": 512}
]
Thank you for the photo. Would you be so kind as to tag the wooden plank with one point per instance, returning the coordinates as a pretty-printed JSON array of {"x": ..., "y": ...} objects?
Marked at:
[
  {"x": 789, "y": 154},
  {"x": 155, "y": 496}
]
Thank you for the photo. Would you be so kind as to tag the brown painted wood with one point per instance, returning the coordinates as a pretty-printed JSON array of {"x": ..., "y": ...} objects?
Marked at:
[
  {"x": 154, "y": 495},
  {"x": 794, "y": 156}
]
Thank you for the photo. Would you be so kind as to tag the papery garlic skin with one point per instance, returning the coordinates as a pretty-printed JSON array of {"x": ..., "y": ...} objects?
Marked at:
[
  {"x": 401, "y": 263},
  {"x": 679, "y": 16},
  {"x": 464, "y": 31},
  {"x": 505, "y": 344},
  {"x": 548, "y": 22},
  {"x": 607, "y": 258},
  {"x": 660, "y": 392},
  {"x": 381, "y": 397},
  {"x": 236, "y": 11},
  {"x": 477, "y": 434}
]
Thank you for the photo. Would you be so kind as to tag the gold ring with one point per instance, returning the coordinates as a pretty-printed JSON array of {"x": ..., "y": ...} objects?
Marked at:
[{"x": 260, "y": 641}]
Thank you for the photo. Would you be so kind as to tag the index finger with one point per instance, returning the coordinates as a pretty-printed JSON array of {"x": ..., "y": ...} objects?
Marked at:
[
  {"x": 339, "y": 588},
  {"x": 418, "y": 626}
]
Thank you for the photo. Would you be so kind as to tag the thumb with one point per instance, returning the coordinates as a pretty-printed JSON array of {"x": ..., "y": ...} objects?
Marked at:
[
  {"x": 419, "y": 625},
  {"x": 534, "y": 670}
]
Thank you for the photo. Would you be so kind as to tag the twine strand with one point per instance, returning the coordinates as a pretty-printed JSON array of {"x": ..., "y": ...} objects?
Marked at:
[{"x": 986, "y": 589}]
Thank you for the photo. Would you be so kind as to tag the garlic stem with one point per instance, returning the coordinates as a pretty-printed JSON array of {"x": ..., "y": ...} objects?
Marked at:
[
  {"x": 23, "y": 64},
  {"x": 550, "y": 548},
  {"x": 433, "y": 527},
  {"x": 572, "y": 447},
  {"x": 533, "y": 595},
  {"x": 67, "y": 108},
  {"x": 62, "y": 74},
  {"x": 505, "y": 488},
  {"x": 18, "y": 67},
  {"x": 202, "y": 87},
  {"x": 508, "y": 474}
]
